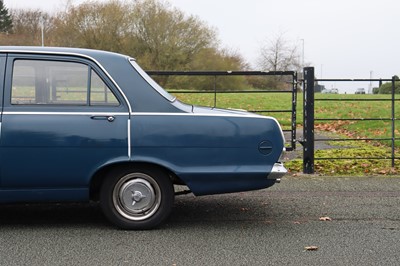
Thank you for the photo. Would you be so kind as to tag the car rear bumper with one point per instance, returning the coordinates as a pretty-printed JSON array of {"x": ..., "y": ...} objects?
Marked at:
[{"x": 277, "y": 172}]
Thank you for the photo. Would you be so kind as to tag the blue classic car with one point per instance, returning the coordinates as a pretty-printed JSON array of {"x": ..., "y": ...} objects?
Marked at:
[{"x": 80, "y": 125}]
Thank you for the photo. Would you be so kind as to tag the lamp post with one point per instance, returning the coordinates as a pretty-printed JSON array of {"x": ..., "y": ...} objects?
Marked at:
[
  {"x": 41, "y": 21},
  {"x": 302, "y": 53},
  {"x": 370, "y": 91},
  {"x": 322, "y": 66}
]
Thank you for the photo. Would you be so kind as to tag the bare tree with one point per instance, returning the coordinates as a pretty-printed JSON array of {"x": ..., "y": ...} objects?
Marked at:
[
  {"x": 27, "y": 27},
  {"x": 279, "y": 55}
]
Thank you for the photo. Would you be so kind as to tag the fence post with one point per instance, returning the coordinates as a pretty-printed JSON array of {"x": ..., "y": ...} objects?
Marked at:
[
  {"x": 308, "y": 121},
  {"x": 215, "y": 91},
  {"x": 294, "y": 110},
  {"x": 393, "y": 119}
]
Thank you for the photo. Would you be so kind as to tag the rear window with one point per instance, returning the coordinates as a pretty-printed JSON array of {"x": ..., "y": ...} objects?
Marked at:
[{"x": 58, "y": 83}]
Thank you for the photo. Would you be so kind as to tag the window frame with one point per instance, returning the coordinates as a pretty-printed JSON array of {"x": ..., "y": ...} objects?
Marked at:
[{"x": 91, "y": 66}]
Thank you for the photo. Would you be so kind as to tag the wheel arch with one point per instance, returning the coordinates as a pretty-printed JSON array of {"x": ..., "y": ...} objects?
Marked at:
[{"x": 101, "y": 174}]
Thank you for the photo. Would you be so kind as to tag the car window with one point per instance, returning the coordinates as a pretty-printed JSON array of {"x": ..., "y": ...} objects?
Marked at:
[{"x": 58, "y": 83}]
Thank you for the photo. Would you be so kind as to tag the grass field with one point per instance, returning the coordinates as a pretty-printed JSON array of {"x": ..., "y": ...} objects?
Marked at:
[{"x": 348, "y": 107}]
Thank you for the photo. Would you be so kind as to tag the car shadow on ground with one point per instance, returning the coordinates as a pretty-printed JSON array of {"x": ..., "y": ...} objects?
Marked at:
[
  {"x": 188, "y": 211},
  {"x": 51, "y": 215},
  {"x": 231, "y": 210}
]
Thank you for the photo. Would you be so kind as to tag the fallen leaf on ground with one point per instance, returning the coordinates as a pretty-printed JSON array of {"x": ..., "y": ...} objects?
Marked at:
[
  {"x": 325, "y": 218},
  {"x": 311, "y": 248}
]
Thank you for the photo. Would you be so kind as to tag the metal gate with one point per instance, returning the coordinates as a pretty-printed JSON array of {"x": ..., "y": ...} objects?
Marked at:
[
  {"x": 309, "y": 119},
  {"x": 290, "y": 133}
]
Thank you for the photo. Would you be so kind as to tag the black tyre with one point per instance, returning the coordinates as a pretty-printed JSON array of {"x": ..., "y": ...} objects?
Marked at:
[{"x": 139, "y": 198}]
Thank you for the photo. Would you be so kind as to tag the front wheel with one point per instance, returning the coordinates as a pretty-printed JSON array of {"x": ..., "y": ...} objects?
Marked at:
[{"x": 137, "y": 198}]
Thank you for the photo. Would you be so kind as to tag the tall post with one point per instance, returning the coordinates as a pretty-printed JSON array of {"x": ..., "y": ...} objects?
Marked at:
[
  {"x": 393, "y": 119},
  {"x": 294, "y": 111},
  {"x": 41, "y": 21},
  {"x": 308, "y": 120},
  {"x": 215, "y": 91},
  {"x": 302, "y": 53}
]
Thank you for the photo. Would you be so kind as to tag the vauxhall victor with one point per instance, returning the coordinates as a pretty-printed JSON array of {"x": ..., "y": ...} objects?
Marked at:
[{"x": 80, "y": 125}]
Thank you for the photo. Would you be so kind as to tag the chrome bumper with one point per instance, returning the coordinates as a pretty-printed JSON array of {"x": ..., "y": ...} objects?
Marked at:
[{"x": 278, "y": 170}]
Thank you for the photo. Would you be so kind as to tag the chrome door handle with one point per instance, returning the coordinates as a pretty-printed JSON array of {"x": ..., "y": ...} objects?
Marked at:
[{"x": 109, "y": 118}]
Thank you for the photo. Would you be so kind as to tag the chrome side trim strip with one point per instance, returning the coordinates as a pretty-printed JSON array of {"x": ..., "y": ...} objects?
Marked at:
[
  {"x": 66, "y": 113},
  {"x": 129, "y": 139},
  {"x": 202, "y": 114},
  {"x": 137, "y": 114}
]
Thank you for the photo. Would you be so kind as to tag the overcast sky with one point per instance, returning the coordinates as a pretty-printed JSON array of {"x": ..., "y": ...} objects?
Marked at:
[{"x": 342, "y": 38}]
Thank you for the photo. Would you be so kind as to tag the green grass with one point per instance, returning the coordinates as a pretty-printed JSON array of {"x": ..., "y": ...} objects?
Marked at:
[
  {"x": 359, "y": 109},
  {"x": 356, "y": 162}
]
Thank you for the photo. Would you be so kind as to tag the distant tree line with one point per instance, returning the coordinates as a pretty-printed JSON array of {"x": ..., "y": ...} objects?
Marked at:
[
  {"x": 158, "y": 35},
  {"x": 5, "y": 19},
  {"x": 386, "y": 88}
]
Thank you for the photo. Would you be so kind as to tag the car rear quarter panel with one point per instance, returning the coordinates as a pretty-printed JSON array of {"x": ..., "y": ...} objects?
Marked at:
[{"x": 210, "y": 153}]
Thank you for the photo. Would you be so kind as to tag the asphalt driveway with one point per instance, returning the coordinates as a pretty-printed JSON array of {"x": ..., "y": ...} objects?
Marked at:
[{"x": 268, "y": 227}]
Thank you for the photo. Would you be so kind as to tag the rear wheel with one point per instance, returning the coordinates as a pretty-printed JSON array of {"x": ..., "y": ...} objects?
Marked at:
[{"x": 140, "y": 198}]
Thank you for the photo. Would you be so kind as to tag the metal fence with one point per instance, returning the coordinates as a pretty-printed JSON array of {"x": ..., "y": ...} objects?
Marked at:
[
  {"x": 310, "y": 118},
  {"x": 291, "y": 142}
]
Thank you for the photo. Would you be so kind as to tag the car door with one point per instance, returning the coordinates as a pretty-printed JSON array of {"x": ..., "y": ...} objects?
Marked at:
[
  {"x": 63, "y": 119},
  {"x": 2, "y": 72}
]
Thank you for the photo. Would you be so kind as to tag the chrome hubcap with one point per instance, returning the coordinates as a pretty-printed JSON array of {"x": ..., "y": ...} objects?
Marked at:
[{"x": 136, "y": 196}]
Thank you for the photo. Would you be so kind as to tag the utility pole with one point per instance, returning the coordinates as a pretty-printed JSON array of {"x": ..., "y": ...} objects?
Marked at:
[
  {"x": 370, "y": 82},
  {"x": 41, "y": 21},
  {"x": 302, "y": 55}
]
